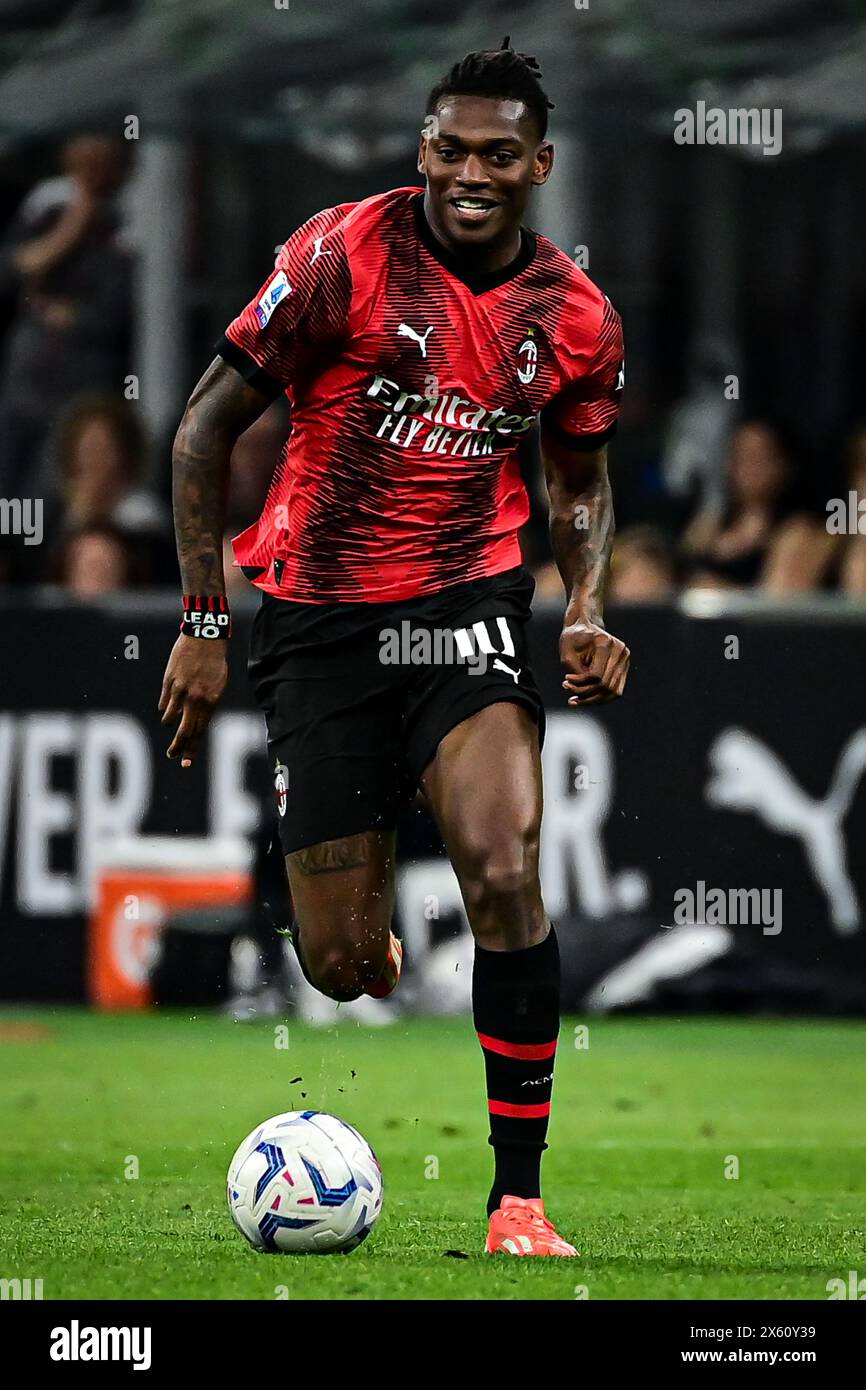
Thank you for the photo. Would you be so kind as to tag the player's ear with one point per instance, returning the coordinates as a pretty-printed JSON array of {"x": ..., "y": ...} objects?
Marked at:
[
  {"x": 543, "y": 163},
  {"x": 430, "y": 129}
]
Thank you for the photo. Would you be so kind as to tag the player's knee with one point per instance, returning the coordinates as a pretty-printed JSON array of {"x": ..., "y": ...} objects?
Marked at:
[
  {"x": 334, "y": 971},
  {"x": 343, "y": 971},
  {"x": 500, "y": 885},
  {"x": 503, "y": 899}
]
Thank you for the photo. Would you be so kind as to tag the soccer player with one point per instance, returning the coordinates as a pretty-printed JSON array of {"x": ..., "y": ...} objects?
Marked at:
[{"x": 418, "y": 334}]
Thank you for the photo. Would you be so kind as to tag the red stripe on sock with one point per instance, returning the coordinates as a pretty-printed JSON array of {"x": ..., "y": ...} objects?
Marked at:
[
  {"x": 523, "y": 1052},
  {"x": 519, "y": 1112}
]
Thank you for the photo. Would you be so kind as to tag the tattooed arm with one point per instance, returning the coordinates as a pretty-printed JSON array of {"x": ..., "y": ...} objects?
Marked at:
[
  {"x": 220, "y": 408},
  {"x": 581, "y": 533}
]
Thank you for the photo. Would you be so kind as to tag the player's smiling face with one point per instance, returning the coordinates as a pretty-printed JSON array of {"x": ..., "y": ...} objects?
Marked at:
[{"x": 481, "y": 156}]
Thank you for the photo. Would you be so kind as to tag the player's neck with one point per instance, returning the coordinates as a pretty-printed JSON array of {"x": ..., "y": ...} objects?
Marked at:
[{"x": 481, "y": 260}]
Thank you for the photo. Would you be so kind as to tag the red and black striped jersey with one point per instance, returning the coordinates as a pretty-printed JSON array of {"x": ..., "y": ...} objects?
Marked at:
[{"x": 412, "y": 384}]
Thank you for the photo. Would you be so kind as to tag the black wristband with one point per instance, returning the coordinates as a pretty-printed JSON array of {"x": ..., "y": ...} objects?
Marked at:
[{"x": 207, "y": 617}]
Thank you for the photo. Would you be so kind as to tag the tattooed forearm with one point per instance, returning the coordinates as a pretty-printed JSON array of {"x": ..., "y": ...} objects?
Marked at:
[
  {"x": 221, "y": 407},
  {"x": 581, "y": 528},
  {"x": 199, "y": 495},
  {"x": 332, "y": 855}
]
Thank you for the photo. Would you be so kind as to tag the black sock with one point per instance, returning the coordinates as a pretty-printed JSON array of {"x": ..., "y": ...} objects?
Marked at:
[{"x": 515, "y": 1007}]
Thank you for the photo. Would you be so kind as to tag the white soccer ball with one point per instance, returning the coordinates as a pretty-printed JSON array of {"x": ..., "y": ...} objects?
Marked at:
[{"x": 305, "y": 1183}]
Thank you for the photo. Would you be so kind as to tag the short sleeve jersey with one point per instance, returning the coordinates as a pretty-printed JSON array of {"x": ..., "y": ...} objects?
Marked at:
[{"x": 412, "y": 383}]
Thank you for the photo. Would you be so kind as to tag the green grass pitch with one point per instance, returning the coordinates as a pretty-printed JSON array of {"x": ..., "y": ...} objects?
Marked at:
[{"x": 647, "y": 1120}]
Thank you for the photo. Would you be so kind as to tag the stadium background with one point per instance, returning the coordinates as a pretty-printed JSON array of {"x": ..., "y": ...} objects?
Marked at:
[{"x": 736, "y": 766}]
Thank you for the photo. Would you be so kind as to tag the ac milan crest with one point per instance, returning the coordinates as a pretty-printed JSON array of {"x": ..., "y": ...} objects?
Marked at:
[
  {"x": 281, "y": 787},
  {"x": 527, "y": 359}
]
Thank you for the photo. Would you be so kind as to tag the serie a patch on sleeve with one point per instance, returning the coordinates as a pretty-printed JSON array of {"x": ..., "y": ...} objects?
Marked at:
[{"x": 278, "y": 289}]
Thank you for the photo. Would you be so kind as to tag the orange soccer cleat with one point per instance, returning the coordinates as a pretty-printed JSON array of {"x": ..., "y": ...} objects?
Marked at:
[
  {"x": 389, "y": 979},
  {"x": 519, "y": 1227}
]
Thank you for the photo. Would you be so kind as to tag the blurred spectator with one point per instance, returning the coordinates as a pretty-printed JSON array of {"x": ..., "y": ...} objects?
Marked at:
[
  {"x": 697, "y": 435},
  {"x": 66, "y": 255},
  {"x": 806, "y": 555},
  {"x": 642, "y": 567},
  {"x": 800, "y": 557},
  {"x": 728, "y": 548},
  {"x": 101, "y": 459},
  {"x": 548, "y": 581},
  {"x": 95, "y": 560}
]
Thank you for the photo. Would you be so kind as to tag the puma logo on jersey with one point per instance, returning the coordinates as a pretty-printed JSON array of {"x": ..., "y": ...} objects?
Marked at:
[
  {"x": 317, "y": 250},
  {"x": 500, "y": 666},
  {"x": 404, "y": 331}
]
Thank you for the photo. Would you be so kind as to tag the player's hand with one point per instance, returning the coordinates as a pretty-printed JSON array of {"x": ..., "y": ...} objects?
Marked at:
[
  {"x": 194, "y": 680},
  {"x": 595, "y": 661}
]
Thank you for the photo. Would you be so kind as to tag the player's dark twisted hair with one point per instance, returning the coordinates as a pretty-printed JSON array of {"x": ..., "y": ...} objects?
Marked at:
[{"x": 497, "y": 73}]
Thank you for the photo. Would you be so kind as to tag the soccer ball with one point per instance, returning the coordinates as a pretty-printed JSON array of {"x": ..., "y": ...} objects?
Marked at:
[{"x": 305, "y": 1183}]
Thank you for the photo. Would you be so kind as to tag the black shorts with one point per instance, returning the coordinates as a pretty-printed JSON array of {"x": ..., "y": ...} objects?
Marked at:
[{"x": 357, "y": 697}]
